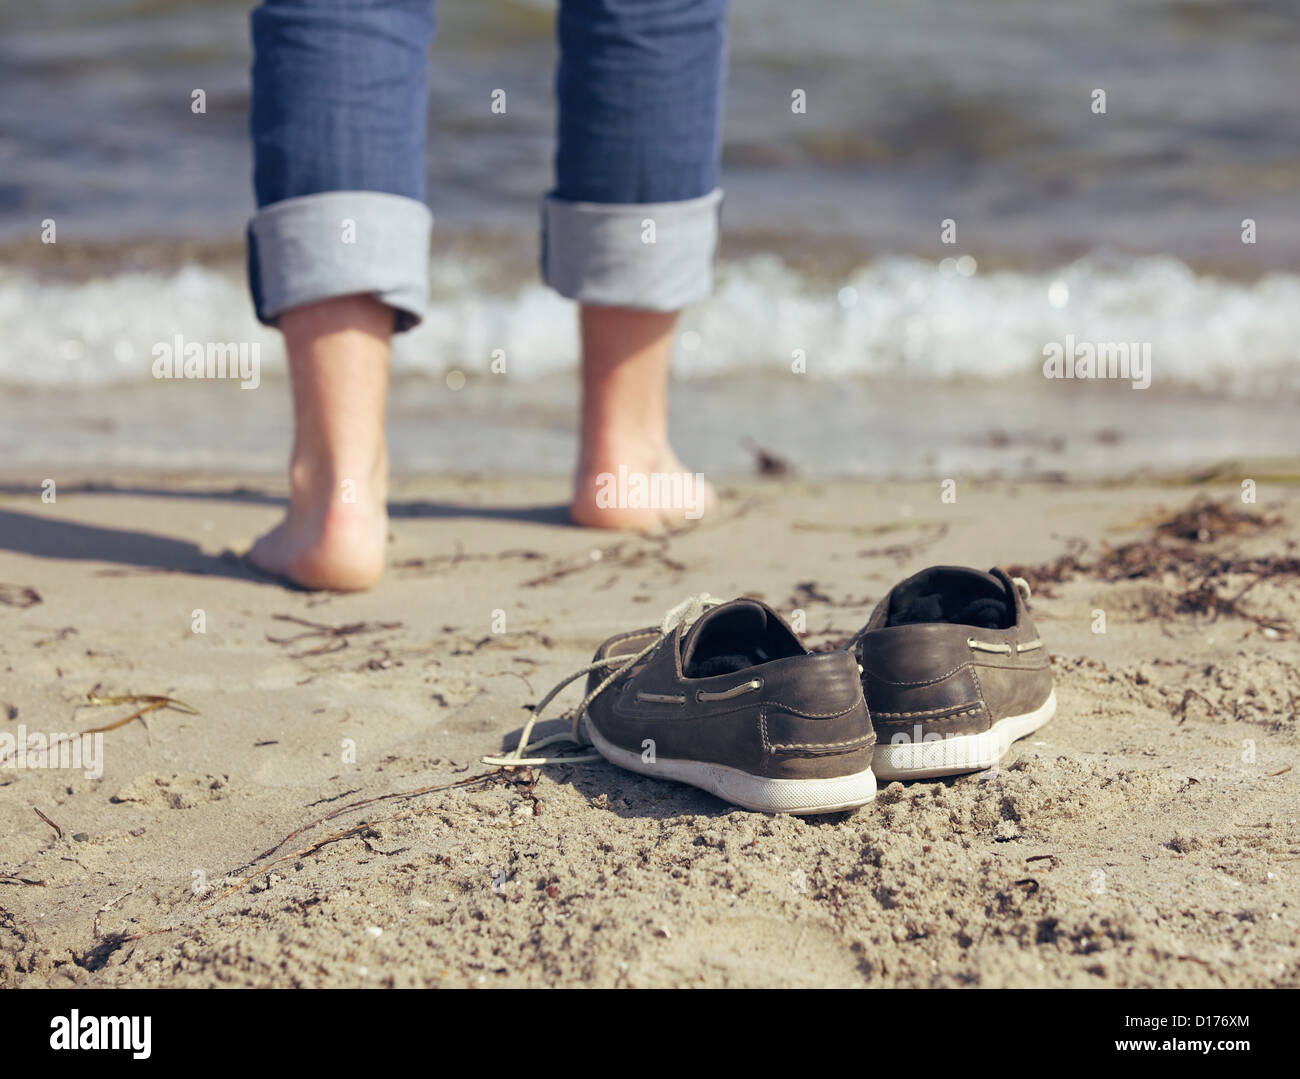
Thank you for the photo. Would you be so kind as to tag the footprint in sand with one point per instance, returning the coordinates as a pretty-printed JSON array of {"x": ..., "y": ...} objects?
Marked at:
[{"x": 173, "y": 791}]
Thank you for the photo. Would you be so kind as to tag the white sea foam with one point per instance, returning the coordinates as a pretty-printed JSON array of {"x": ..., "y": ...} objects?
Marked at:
[{"x": 902, "y": 317}]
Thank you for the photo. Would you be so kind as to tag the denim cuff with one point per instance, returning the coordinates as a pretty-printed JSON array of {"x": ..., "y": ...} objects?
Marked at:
[
  {"x": 657, "y": 256},
  {"x": 338, "y": 243}
]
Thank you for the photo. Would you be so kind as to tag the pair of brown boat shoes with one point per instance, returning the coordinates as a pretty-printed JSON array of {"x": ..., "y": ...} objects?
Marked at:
[{"x": 945, "y": 675}]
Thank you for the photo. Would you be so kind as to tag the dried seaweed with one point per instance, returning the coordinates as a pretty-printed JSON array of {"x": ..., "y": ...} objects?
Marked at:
[
  {"x": 652, "y": 552},
  {"x": 1203, "y": 599},
  {"x": 767, "y": 463},
  {"x": 1205, "y": 521},
  {"x": 901, "y": 552},
  {"x": 806, "y": 592},
  {"x": 336, "y": 637},
  {"x": 442, "y": 562},
  {"x": 1188, "y": 696},
  {"x": 18, "y": 595},
  {"x": 810, "y": 594},
  {"x": 508, "y": 641},
  {"x": 1178, "y": 548}
]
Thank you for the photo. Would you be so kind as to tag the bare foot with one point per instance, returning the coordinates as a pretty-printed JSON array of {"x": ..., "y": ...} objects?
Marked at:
[
  {"x": 645, "y": 492},
  {"x": 628, "y": 476},
  {"x": 334, "y": 534}
]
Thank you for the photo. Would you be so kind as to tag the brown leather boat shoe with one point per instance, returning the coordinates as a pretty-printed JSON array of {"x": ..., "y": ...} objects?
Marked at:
[
  {"x": 953, "y": 672},
  {"x": 735, "y": 705}
]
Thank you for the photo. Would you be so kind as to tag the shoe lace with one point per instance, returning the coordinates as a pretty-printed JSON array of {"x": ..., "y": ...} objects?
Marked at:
[{"x": 684, "y": 614}]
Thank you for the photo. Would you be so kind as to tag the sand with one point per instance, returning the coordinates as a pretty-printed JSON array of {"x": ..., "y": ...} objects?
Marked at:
[{"x": 1147, "y": 836}]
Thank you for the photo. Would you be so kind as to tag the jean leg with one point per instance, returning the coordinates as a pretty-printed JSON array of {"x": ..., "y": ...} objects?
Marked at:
[
  {"x": 633, "y": 218},
  {"x": 340, "y": 91}
]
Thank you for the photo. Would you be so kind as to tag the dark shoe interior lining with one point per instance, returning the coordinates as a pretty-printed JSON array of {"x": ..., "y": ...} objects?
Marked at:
[
  {"x": 732, "y": 641},
  {"x": 719, "y": 665},
  {"x": 957, "y": 599}
]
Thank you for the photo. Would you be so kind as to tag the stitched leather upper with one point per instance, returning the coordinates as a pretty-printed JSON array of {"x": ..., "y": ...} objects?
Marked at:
[
  {"x": 928, "y": 674},
  {"x": 805, "y": 719}
]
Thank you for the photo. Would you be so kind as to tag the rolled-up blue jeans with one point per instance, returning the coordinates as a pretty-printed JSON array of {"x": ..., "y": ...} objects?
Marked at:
[{"x": 340, "y": 93}]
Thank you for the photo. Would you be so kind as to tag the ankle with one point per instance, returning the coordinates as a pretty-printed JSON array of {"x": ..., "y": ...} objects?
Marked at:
[
  {"x": 343, "y": 479},
  {"x": 637, "y": 450}
]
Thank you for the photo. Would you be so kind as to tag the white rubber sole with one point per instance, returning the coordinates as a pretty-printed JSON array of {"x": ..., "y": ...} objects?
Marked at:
[
  {"x": 962, "y": 753},
  {"x": 797, "y": 796}
]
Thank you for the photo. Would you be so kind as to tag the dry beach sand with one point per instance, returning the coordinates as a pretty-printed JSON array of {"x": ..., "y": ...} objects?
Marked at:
[{"x": 1147, "y": 836}]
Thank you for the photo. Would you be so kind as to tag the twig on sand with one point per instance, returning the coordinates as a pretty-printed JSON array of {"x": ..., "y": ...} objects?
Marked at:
[
  {"x": 331, "y": 798},
  {"x": 359, "y": 829},
  {"x": 118, "y": 939},
  {"x": 322, "y": 629},
  {"x": 900, "y": 552},
  {"x": 516, "y": 674},
  {"x": 1181, "y": 709},
  {"x": 110, "y": 905},
  {"x": 403, "y": 794},
  {"x": 58, "y": 832},
  {"x": 417, "y": 792},
  {"x": 649, "y": 549},
  {"x": 1279, "y": 772},
  {"x": 451, "y": 561},
  {"x": 336, "y": 637},
  {"x": 364, "y": 826},
  {"x": 151, "y": 703}
]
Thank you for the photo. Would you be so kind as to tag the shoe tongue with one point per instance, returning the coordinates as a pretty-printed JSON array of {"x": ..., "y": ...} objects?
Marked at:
[{"x": 745, "y": 618}]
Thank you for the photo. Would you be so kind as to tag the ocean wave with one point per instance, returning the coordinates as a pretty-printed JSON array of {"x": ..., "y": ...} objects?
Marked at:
[{"x": 900, "y": 317}]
